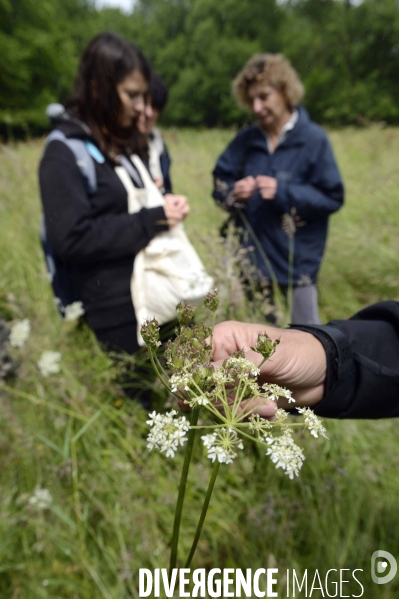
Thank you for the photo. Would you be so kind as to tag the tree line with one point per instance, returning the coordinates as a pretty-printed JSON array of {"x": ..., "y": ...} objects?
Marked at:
[{"x": 346, "y": 54}]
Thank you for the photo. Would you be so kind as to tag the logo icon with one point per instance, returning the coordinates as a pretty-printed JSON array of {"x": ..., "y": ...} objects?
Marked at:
[{"x": 379, "y": 565}]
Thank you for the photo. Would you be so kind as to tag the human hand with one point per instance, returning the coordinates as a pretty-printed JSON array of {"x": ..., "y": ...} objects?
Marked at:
[
  {"x": 299, "y": 362},
  {"x": 176, "y": 208},
  {"x": 244, "y": 188},
  {"x": 267, "y": 186},
  {"x": 158, "y": 182}
]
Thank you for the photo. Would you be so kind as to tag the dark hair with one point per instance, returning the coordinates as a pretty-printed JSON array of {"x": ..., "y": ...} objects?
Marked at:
[
  {"x": 106, "y": 61},
  {"x": 157, "y": 91}
]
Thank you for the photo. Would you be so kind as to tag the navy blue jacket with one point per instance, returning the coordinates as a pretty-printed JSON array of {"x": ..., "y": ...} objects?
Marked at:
[
  {"x": 308, "y": 182},
  {"x": 165, "y": 162}
]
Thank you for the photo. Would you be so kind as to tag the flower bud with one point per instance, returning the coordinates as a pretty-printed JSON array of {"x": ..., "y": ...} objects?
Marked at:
[
  {"x": 150, "y": 333},
  {"x": 265, "y": 346},
  {"x": 211, "y": 301},
  {"x": 185, "y": 313}
]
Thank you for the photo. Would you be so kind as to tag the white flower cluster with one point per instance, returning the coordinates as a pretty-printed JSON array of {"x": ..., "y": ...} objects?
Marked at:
[
  {"x": 74, "y": 311},
  {"x": 180, "y": 381},
  {"x": 221, "y": 445},
  {"x": 285, "y": 454},
  {"x": 41, "y": 499},
  {"x": 49, "y": 362},
  {"x": 275, "y": 391},
  {"x": 20, "y": 332},
  {"x": 258, "y": 425},
  {"x": 221, "y": 377},
  {"x": 313, "y": 423},
  {"x": 168, "y": 432},
  {"x": 242, "y": 366}
]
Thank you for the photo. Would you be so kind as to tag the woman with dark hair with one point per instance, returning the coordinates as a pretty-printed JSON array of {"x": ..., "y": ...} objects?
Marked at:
[
  {"x": 99, "y": 236},
  {"x": 159, "y": 159}
]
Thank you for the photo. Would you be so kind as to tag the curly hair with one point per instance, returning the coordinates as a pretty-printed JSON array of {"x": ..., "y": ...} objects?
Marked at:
[{"x": 269, "y": 69}]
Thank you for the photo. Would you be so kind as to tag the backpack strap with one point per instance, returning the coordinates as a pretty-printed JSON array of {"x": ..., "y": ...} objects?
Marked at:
[
  {"x": 85, "y": 153},
  {"x": 59, "y": 273}
]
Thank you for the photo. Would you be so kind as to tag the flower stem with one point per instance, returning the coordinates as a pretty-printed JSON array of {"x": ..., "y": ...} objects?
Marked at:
[
  {"x": 182, "y": 491},
  {"x": 203, "y": 513}
]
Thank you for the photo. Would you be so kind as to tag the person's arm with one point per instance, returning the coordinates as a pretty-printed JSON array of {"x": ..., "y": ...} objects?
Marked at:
[
  {"x": 74, "y": 232},
  {"x": 322, "y": 193},
  {"x": 345, "y": 369},
  {"x": 363, "y": 364}
]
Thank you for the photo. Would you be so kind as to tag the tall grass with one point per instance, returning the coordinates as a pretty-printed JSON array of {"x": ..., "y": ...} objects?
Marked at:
[{"x": 74, "y": 435}]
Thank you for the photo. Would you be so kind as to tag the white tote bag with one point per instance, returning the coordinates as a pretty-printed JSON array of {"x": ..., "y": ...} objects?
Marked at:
[{"x": 168, "y": 270}]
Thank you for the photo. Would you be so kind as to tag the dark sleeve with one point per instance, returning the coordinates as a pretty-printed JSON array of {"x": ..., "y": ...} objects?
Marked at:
[
  {"x": 322, "y": 193},
  {"x": 166, "y": 162},
  {"x": 227, "y": 171},
  {"x": 73, "y": 230},
  {"x": 363, "y": 363}
]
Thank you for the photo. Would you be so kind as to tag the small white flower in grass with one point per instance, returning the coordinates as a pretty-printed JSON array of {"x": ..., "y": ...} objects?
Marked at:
[
  {"x": 313, "y": 423},
  {"x": 74, "y": 311},
  {"x": 285, "y": 454},
  {"x": 49, "y": 362},
  {"x": 221, "y": 445},
  {"x": 167, "y": 432},
  {"x": 275, "y": 391},
  {"x": 41, "y": 499},
  {"x": 20, "y": 332}
]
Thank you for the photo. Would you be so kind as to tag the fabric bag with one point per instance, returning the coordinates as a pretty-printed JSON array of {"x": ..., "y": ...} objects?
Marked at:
[{"x": 168, "y": 270}]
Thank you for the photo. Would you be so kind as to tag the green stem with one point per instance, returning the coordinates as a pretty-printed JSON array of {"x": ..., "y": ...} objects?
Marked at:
[
  {"x": 182, "y": 491},
  {"x": 290, "y": 290},
  {"x": 203, "y": 513}
]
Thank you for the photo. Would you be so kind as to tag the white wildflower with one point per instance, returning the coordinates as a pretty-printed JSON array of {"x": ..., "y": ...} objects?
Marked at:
[
  {"x": 285, "y": 454},
  {"x": 221, "y": 377},
  {"x": 258, "y": 425},
  {"x": 313, "y": 423},
  {"x": 221, "y": 445},
  {"x": 20, "y": 332},
  {"x": 181, "y": 381},
  {"x": 49, "y": 362},
  {"x": 167, "y": 433},
  {"x": 275, "y": 391},
  {"x": 41, "y": 499},
  {"x": 196, "y": 400},
  {"x": 242, "y": 366},
  {"x": 74, "y": 311}
]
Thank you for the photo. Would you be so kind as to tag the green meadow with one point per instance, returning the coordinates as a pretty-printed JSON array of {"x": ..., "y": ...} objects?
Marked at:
[{"x": 75, "y": 435}]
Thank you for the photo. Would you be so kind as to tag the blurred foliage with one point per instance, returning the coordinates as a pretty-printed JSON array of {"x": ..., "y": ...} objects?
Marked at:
[{"x": 347, "y": 55}]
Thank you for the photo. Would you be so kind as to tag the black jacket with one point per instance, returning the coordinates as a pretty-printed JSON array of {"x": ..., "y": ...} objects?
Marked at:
[
  {"x": 96, "y": 236},
  {"x": 308, "y": 182},
  {"x": 362, "y": 363}
]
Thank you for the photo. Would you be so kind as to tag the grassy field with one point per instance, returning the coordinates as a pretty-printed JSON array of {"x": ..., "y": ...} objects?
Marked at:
[{"x": 112, "y": 502}]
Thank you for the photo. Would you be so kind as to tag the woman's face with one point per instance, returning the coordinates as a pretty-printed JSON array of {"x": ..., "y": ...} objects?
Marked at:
[
  {"x": 131, "y": 92},
  {"x": 268, "y": 105},
  {"x": 148, "y": 118}
]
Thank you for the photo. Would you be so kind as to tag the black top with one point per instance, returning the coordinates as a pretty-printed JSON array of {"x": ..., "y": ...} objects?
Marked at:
[
  {"x": 96, "y": 236},
  {"x": 362, "y": 363}
]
